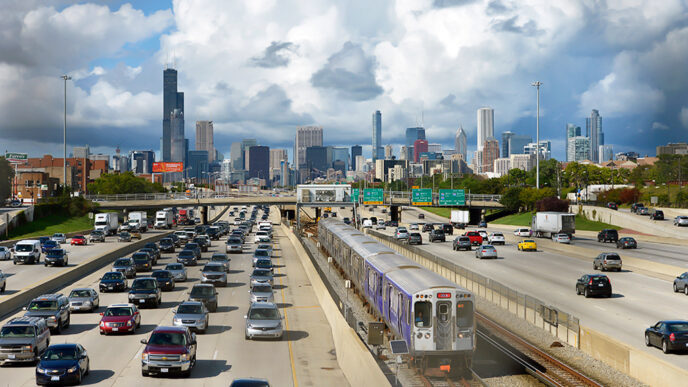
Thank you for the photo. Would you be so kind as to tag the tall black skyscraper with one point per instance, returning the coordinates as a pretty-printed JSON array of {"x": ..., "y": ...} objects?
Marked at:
[
  {"x": 356, "y": 150},
  {"x": 171, "y": 100}
]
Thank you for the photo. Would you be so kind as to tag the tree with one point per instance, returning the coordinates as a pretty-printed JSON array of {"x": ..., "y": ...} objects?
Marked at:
[
  {"x": 6, "y": 176},
  {"x": 511, "y": 199},
  {"x": 552, "y": 203},
  {"x": 123, "y": 183}
]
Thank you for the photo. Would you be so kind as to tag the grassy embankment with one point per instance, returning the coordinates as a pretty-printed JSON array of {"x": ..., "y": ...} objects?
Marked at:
[{"x": 51, "y": 224}]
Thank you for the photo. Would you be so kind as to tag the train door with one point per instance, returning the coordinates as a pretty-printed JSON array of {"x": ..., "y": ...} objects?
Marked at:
[{"x": 443, "y": 327}]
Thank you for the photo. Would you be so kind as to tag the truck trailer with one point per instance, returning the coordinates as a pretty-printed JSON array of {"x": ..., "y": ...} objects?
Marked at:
[
  {"x": 107, "y": 223},
  {"x": 546, "y": 224},
  {"x": 164, "y": 219}
]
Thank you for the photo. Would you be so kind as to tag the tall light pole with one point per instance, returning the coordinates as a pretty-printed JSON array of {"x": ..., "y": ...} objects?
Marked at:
[
  {"x": 64, "y": 133},
  {"x": 537, "y": 84}
]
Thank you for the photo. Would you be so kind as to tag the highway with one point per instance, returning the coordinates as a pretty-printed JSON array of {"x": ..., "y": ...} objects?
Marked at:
[
  {"x": 638, "y": 300},
  {"x": 304, "y": 356}
]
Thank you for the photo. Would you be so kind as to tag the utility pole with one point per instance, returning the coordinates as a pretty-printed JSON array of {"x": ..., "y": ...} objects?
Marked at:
[
  {"x": 537, "y": 84},
  {"x": 64, "y": 133}
]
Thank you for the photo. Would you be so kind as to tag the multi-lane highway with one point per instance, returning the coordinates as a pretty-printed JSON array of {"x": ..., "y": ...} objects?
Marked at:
[
  {"x": 638, "y": 300},
  {"x": 304, "y": 356}
]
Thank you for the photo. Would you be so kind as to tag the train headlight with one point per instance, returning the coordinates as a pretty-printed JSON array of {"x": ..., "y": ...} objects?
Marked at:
[
  {"x": 420, "y": 335},
  {"x": 427, "y": 335},
  {"x": 460, "y": 335}
]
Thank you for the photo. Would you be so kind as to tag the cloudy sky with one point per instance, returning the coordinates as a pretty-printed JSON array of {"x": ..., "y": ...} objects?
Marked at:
[{"x": 260, "y": 68}]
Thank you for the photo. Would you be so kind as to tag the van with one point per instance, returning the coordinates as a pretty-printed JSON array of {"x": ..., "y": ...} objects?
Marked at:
[
  {"x": 27, "y": 251},
  {"x": 367, "y": 223}
]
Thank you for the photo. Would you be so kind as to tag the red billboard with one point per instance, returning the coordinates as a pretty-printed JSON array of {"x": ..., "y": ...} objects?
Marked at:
[{"x": 168, "y": 167}]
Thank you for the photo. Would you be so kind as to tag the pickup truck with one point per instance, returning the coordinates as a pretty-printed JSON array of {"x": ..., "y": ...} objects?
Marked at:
[
  {"x": 475, "y": 237},
  {"x": 169, "y": 350}
]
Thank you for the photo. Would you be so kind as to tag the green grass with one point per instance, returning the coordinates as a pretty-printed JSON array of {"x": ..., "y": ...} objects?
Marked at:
[
  {"x": 441, "y": 211},
  {"x": 582, "y": 224},
  {"x": 51, "y": 224}
]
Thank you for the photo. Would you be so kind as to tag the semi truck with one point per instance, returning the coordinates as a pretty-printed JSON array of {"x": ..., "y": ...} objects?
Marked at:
[
  {"x": 107, "y": 223},
  {"x": 460, "y": 217},
  {"x": 546, "y": 224},
  {"x": 138, "y": 220},
  {"x": 164, "y": 219}
]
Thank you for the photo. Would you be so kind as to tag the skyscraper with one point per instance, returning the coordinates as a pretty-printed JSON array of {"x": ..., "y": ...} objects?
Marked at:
[
  {"x": 237, "y": 156},
  {"x": 485, "y": 125},
  {"x": 606, "y": 153},
  {"x": 517, "y": 143},
  {"x": 204, "y": 138},
  {"x": 506, "y": 136},
  {"x": 571, "y": 132},
  {"x": 259, "y": 162},
  {"x": 490, "y": 153},
  {"x": 593, "y": 130},
  {"x": 388, "y": 152},
  {"x": 577, "y": 148},
  {"x": 377, "y": 136},
  {"x": 277, "y": 156},
  {"x": 171, "y": 99},
  {"x": 460, "y": 143},
  {"x": 306, "y": 136},
  {"x": 177, "y": 151},
  {"x": 341, "y": 155},
  {"x": 356, "y": 150},
  {"x": 413, "y": 134},
  {"x": 419, "y": 146}
]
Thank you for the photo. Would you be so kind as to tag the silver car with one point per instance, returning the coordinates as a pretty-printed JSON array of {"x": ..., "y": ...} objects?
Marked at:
[
  {"x": 401, "y": 233},
  {"x": 260, "y": 254},
  {"x": 221, "y": 258},
  {"x": 681, "y": 283},
  {"x": 234, "y": 245},
  {"x": 263, "y": 321},
  {"x": 5, "y": 253},
  {"x": 191, "y": 314},
  {"x": 178, "y": 271},
  {"x": 214, "y": 273},
  {"x": 561, "y": 238},
  {"x": 83, "y": 299},
  {"x": 265, "y": 246},
  {"x": 262, "y": 293},
  {"x": 607, "y": 261},
  {"x": 486, "y": 251},
  {"x": 59, "y": 238},
  {"x": 261, "y": 277},
  {"x": 181, "y": 235},
  {"x": 681, "y": 220},
  {"x": 3, "y": 282}
]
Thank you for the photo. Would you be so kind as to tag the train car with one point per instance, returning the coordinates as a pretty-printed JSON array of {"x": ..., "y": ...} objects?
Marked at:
[{"x": 432, "y": 314}]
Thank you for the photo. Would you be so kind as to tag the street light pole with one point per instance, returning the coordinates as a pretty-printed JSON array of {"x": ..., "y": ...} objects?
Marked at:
[
  {"x": 64, "y": 133},
  {"x": 537, "y": 84}
]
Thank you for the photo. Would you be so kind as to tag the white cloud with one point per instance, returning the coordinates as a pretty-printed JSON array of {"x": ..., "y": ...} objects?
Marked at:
[{"x": 659, "y": 126}]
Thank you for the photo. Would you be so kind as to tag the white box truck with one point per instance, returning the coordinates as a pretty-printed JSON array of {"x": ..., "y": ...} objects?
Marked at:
[
  {"x": 138, "y": 220},
  {"x": 107, "y": 223},
  {"x": 164, "y": 219},
  {"x": 459, "y": 217},
  {"x": 546, "y": 224}
]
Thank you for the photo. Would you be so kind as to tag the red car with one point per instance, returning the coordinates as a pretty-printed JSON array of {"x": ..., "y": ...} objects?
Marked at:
[
  {"x": 79, "y": 240},
  {"x": 120, "y": 318},
  {"x": 475, "y": 237}
]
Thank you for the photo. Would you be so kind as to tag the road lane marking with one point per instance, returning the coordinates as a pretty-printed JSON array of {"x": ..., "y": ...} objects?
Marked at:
[
  {"x": 215, "y": 355},
  {"x": 286, "y": 325}
]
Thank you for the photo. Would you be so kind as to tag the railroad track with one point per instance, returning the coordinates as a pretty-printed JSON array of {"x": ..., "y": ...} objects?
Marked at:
[
  {"x": 540, "y": 364},
  {"x": 473, "y": 381}
]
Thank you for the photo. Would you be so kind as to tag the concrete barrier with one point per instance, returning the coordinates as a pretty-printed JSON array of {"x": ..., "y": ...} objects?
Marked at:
[
  {"x": 631, "y": 221},
  {"x": 353, "y": 357}
]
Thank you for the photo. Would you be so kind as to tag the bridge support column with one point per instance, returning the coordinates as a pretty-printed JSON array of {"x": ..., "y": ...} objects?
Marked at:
[
  {"x": 317, "y": 213},
  {"x": 394, "y": 214},
  {"x": 474, "y": 215},
  {"x": 204, "y": 215}
]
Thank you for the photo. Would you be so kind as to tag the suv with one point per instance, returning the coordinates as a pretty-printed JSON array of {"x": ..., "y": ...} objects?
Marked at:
[
  {"x": 96, "y": 236},
  {"x": 594, "y": 284},
  {"x": 462, "y": 243},
  {"x": 607, "y": 261},
  {"x": 437, "y": 235},
  {"x": 145, "y": 290},
  {"x": 23, "y": 339},
  {"x": 636, "y": 206},
  {"x": 428, "y": 227},
  {"x": 56, "y": 257},
  {"x": 206, "y": 294},
  {"x": 415, "y": 238},
  {"x": 169, "y": 350},
  {"x": 608, "y": 235},
  {"x": 448, "y": 229},
  {"x": 54, "y": 308},
  {"x": 657, "y": 215}
]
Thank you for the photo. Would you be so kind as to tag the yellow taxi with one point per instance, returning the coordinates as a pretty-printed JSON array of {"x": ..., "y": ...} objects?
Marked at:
[{"x": 527, "y": 244}]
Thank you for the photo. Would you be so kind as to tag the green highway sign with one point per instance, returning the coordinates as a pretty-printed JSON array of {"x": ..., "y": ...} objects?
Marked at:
[
  {"x": 421, "y": 197},
  {"x": 373, "y": 196},
  {"x": 452, "y": 197},
  {"x": 354, "y": 195},
  {"x": 16, "y": 157}
]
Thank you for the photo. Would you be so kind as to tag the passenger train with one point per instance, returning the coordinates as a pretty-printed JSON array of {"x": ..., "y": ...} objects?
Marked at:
[{"x": 432, "y": 314}]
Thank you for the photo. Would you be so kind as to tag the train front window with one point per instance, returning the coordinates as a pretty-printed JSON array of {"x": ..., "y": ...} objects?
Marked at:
[
  {"x": 423, "y": 313},
  {"x": 464, "y": 314}
]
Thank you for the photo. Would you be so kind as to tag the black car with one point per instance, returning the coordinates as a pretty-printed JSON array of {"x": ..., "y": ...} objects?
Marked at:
[
  {"x": 393, "y": 223},
  {"x": 626, "y": 243},
  {"x": 167, "y": 245},
  {"x": 613, "y": 206},
  {"x": 113, "y": 281},
  {"x": 608, "y": 235},
  {"x": 421, "y": 216},
  {"x": 187, "y": 257},
  {"x": 202, "y": 242},
  {"x": 56, "y": 257},
  {"x": 448, "y": 229},
  {"x": 142, "y": 261},
  {"x": 165, "y": 279},
  {"x": 151, "y": 253},
  {"x": 594, "y": 285},
  {"x": 153, "y": 246},
  {"x": 636, "y": 206},
  {"x": 195, "y": 247},
  {"x": 206, "y": 294},
  {"x": 415, "y": 238},
  {"x": 428, "y": 227},
  {"x": 176, "y": 240},
  {"x": 145, "y": 291},
  {"x": 657, "y": 215},
  {"x": 63, "y": 364},
  {"x": 346, "y": 221},
  {"x": 437, "y": 235},
  {"x": 126, "y": 266},
  {"x": 213, "y": 233},
  {"x": 461, "y": 243},
  {"x": 671, "y": 335}
]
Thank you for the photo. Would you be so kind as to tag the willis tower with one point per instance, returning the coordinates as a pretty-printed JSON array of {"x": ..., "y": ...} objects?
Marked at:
[{"x": 172, "y": 100}]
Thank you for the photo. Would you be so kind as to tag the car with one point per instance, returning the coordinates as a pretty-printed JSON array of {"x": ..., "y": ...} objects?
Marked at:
[
  {"x": 126, "y": 266},
  {"x": 594, "y": 285},
  {"x": 401, "y": 233},
  {"x": 59, "y": 238},
  {"x": 486, "y": 251},
  {"x": 613, "y": 206},
  {"x": 393, "y": 223},
  {"x": 23, "y": 339},
  {"x": 15, "y": 203},
  {"x": 169, "y": 350},
  {"x": 151, "y": 254},
  {"x": 63, "y": 364},
  {"x": 49, "y": 245},
  {"x": 214, "y": 273},
  {"x": 96, "y": 236},
  {"x": 258, "y": 254},
  {"x": 182, "y": 236},
  {"x": 119, "y": 318},
  {"x": 657, "y": 215},
  {"x": 202, "y": 243},
  {"x": 437, "y": 235},
  {"x": 234, "y": 245},
  {"x": 265, "y": 263},
  {"x": 523, "y": 232},
  {"x": 561, "y": 238},
  {"x": 414, "y": 238},
  {"x": 175, "y": 239},
  {"x": 669, "y": 335},
  {"x": 496, "y": 238},
  {"x": 346, "y": 221},
  {"x": 167, "y": 245},
  {"x": 265, "y": 246},
  {"x": 206, "y": 294},
  {"x": 165, "y": 279},
  {"x": 142, "y": 261},
  {"x": 262, "y": 293},
  {"x": 145, "y": 291},
  {"x": 626, "y": 243},
  {"x": 156, "y": 250},
  {"x": 462, "y": 243},
  {"x": 681, "y": 283},
  {"x": 250, "y": 382},
  {"x": 3, "y": 282},
  {"x": 56, "y": 257},
  {"x": 380, "y": 226},
  {"x": 607, "y": 261},
  {"x": 475, "y": 237},
  {"x": 83, "y": 299},
  {"x": 643, "y": 211},
  {"x": 262, "y": 237},
  {"x": 187, "y": 257},
  {"x": 113, "y": 281},
  {"x": 448, "y": 229},
  {"x": 261, "y": 276},
  {"x": 421, "y": 216},
  {"x": 193, "y": 315},
  {"x": 608, "y": 235},
  {"x": 263, "y": 320},
  {"x": 124, "y": 236},
  {"x": 636, "y": 206},
  {"x": 483, "y": 234},
  {"x": 54, "y": 308},
  {"x": 414, "y": 227},
  {"x": 178, "y": 271},
  {"x": 135, "y": 234},
  {"x": 43, "y": 239},
  {"x": 5, "y": 253},
  {"x": 79, "y": 240},
  {"x": 527, "y": 244},
  {"x": 428, "y": 227},
  {"x": 195, "y": 247},
  {"x": 681, "y": 220},
  {"x": 222, "y": 259}
]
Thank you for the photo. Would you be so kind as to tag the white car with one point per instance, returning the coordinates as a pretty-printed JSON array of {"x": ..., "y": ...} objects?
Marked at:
[
  {"x": 380, "y": 226},
  {"x": 523, "y": 232},
  {"x": 413, "y": 227},
  {"x": 59, "y": 238},
  {"x": 261, "y": 236},
  {"x": 681, "y": 220},
  {"x": 496, "y": 238},
  {"x": 5, "y": 253},
  {"x": 561, "y": 238}
]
